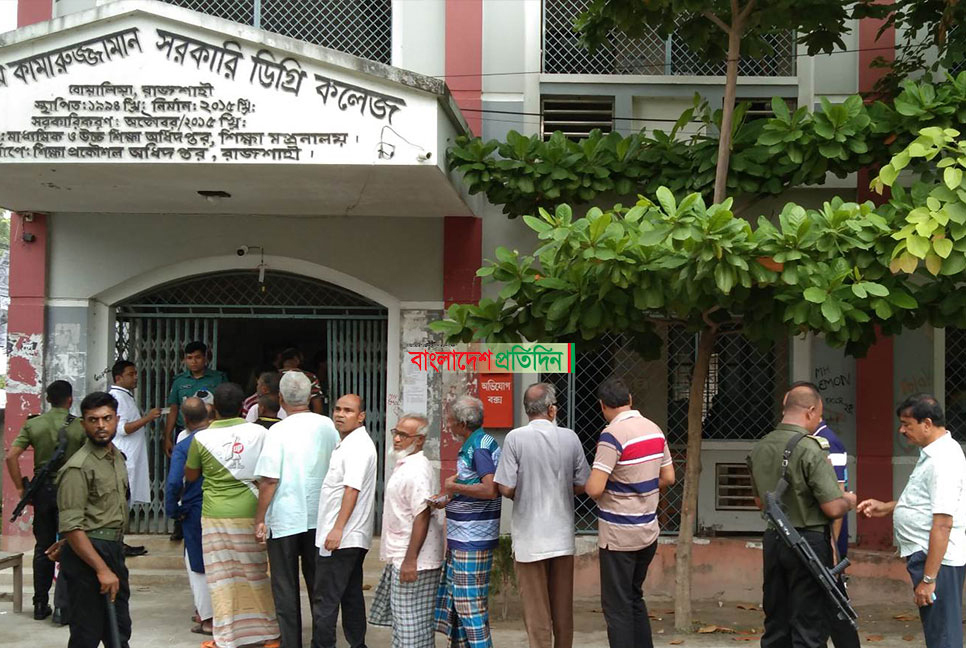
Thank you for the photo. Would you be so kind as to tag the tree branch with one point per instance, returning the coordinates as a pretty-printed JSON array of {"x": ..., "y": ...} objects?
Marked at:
[
  {"x": 717, "y": 21},
  {"x": 746, "y": 11},
  {"x": 706, "y": 316}
]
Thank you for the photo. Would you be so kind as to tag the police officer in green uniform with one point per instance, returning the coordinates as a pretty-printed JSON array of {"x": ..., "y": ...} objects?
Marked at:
[
  {"x": 42, "y": 433},
  {"x": 797, "y": 611},
  {"x": 196, "y": 377},
  {"x": 92, "y": 496}
]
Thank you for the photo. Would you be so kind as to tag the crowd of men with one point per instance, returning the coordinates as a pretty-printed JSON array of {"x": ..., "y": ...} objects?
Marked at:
[{"x": 291, "y": 493}]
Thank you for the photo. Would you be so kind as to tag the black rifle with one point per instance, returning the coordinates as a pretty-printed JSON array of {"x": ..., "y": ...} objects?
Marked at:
[
  {"x": 33, "y": 486},
  {"x": 789, "y": 535}
]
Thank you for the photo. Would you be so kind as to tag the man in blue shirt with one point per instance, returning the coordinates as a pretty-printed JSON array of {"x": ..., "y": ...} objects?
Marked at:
[
  {"x": 182, "y": 501},
  {"x": 843, "y": 634}
]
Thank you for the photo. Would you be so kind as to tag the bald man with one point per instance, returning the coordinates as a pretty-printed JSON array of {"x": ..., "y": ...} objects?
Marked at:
[
  {"x": 797, "y": 611},
  {"x": 344, "y": 529}
]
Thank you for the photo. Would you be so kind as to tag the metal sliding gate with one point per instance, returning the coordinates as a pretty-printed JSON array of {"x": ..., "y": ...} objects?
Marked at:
[
  {"x": 357, "y": 365},
  {"x": 155, "y": 345},
  {"x": 152, "y": 329}
]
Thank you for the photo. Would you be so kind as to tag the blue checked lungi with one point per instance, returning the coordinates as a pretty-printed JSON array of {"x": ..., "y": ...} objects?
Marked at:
[
  {"x": 406, "y": 607},
  {"x": 462, "y": 613}
]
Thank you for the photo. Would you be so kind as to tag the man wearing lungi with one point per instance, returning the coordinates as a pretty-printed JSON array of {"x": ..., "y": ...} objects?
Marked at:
[
  {"x": 412, "y": 541},
  {"x": 472, "y": 530},
  {"x": 236, "y": 565}
]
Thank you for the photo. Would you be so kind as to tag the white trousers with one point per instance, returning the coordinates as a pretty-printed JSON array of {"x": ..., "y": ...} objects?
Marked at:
[{"x": 199, "y": 590}]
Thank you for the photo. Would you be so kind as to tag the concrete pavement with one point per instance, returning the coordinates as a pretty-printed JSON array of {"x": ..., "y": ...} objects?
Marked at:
[{"x": 162, "y": 607}]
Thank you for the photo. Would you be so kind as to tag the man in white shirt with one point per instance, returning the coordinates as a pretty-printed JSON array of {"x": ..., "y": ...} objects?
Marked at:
[
  {"x": 543, "y": 466},
  {"x": 411, "y": 542},
  {"x": 344, "y": 532},
  {"x": 290, "y": 471},
  {"x": 930, "y": 521},
  {"x": 132, "y": 437}
]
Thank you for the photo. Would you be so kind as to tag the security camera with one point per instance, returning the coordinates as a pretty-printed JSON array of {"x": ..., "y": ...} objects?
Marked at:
[
  {"x": 424, "y": 157},
  {"x": 241, "y": 250}
]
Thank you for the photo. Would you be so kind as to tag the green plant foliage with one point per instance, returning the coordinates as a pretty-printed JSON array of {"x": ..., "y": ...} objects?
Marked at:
[
  {"x": 930, "y": 239},
  {"x": 932, "y": 37},
  {"x": 794, "y": 148},
  {"x": 623, "y": 269}
]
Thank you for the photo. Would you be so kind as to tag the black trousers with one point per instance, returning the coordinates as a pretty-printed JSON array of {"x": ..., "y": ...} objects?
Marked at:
[
  {"x": 283, "y": 556},
  {"x": 45, "y": 534},
  {"x": 338, "y": 583},
  {"x": 798, "y": 613},
  {"x": 88, "y": 607},
  {"x": 843, "y": 635},
  {"x": 622, "y": 575}
]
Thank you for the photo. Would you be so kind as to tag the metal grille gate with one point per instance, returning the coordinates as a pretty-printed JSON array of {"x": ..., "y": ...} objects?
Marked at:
[
  {"x": 956, "y": 383},
  {"x": 743, "y": 396},
  {"x": 152, "y": 329},
  {"x": 359, "y": 27},
  {"x": 563, "y": 53},
  {"x": 357, "y": 365},
  {"x": 156, "y": 346}
]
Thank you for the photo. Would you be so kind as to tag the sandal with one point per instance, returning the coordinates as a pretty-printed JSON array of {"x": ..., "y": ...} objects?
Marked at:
[
  {"x": 209, "y": 644},
  {"x": 272, "y": 643},
  {"x": 200, "y": 629}
]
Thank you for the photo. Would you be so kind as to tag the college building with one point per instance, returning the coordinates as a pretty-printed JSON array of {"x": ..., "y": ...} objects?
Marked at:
[{"x": 258, "y": 174}]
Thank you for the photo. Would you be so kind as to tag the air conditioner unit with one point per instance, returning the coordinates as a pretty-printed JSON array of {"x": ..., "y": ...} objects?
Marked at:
[{"x": 725, "y": 500}]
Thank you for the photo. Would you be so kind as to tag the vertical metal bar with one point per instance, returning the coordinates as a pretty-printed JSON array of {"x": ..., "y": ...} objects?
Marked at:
[
  {"x": 214, "y": 341},
  {"x": 668, "y": 48},
  {"x": 257, "y": 15}
]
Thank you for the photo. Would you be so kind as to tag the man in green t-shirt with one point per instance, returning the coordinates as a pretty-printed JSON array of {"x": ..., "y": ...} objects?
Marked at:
[{"x": 196, "y": 377}]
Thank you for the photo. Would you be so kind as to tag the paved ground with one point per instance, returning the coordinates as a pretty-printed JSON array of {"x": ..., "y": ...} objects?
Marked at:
[{"x": 162, "y": 607}]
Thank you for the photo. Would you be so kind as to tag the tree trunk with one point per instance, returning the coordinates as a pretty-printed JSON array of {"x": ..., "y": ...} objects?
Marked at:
[
  {"x": 728, "y": 108},
  {"x": 692, "y": 471}
]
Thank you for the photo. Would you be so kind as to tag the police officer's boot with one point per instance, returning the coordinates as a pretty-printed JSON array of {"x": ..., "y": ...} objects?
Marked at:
[{"x": 41, "y": 611}]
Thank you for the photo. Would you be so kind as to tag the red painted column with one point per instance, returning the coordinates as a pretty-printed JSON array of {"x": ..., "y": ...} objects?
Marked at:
[
  {"x": 25, "y": 336},
  {"x": 874, "y": 373},
  {"x": 464, "y": 57},
  {"x": 462, "y": 257},
  {"x": 33, "y": 11},
  {"x": 25, "y": 323},
  {"x": 874, "y": 420},
  {"x": 462, "y": 235}
]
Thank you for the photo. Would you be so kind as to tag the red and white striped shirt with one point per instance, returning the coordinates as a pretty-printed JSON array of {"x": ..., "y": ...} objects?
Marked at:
[{"x": 632, "y": 450}]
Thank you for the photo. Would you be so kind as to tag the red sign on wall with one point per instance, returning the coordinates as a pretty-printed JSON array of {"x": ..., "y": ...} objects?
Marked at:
[{"x": 496, "y": 392}]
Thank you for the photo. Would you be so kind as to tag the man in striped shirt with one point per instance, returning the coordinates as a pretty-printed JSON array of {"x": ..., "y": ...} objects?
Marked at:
[
  {"x": 844, "y": 635},
  {"x": 632, "y": 466}
]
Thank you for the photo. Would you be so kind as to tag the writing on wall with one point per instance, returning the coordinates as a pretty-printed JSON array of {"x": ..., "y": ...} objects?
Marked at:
[{"x": 156, "y": 120}]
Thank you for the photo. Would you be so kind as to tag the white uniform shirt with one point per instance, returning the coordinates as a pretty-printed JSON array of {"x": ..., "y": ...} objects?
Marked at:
[
  {"x": 937, "y": 485},
  {"x": 133, "y": 445},
  {"x": 353, "y": 464},
  {"x": 412, "y": 481}
]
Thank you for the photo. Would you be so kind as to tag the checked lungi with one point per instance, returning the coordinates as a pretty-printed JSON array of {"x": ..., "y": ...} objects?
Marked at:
[
  {"x": 462, "y": 613},
  {"x": 236, "y": 567},
  {"x": 406, "y": 607}
]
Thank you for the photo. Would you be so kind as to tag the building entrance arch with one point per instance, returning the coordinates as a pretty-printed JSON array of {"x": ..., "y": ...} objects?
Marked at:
[{"x": 246, "y": 316}]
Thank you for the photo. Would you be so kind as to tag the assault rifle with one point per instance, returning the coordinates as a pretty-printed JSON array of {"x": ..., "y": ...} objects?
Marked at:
[
  {"x": 32, "y": 486},
  {"x": 826, "y": 577}
]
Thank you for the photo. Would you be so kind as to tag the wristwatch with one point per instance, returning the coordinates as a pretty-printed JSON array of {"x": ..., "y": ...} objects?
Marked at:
[{"x": 928, "y": 580}]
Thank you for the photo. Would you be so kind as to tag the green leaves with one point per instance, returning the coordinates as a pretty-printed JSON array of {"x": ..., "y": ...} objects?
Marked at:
[
  {"x": 675, "y": 259},
  {"x": 794, "y": 148}
]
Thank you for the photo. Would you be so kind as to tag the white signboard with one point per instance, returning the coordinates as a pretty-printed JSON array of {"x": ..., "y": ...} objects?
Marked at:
[{"x": 145, "y": 91}]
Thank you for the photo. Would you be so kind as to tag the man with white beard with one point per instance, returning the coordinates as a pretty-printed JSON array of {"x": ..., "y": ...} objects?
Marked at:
[{"x": 412, "y": 541}]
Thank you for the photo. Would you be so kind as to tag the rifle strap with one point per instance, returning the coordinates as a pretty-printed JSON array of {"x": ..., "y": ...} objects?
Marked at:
[
  {"x": 62, "y": 440},
  {"x": 787, "y": 454}
]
